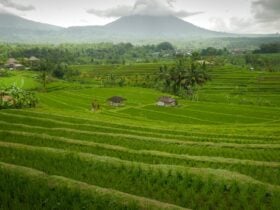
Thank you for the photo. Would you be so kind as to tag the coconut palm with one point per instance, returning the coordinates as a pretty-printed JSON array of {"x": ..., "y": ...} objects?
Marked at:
[{"x": 183, "y": 77}]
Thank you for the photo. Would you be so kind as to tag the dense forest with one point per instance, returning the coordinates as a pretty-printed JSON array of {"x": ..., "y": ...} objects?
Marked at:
[
  {"x": 89, "y": 53},
  {"x": 265, "y": 57},
  {"x": 100, "y": 53}
]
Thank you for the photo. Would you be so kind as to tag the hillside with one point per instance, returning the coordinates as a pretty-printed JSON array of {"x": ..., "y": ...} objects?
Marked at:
[
  {"x": 220, "y": 151},
  {"x": 158, "y": 27},
  {"x": 16, "y": 29},
  {"x": 13, "y": 22},
  {"x": 135, "y": 29}
]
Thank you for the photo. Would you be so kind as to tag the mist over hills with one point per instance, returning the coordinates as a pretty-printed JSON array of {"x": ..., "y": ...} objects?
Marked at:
[
  {"x": 16, "y": 29},
  {"x": 157, "y": 26},
  {"x": 10, "y": 21},
  {"x": 134, "y": 28}
]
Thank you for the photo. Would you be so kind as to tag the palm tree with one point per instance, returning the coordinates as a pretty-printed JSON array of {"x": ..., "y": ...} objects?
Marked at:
[
  {"x": 44, "y": 69},
  {"x": 182, "y": 77}
]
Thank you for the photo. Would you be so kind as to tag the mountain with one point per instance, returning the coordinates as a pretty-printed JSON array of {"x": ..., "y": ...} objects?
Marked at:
[
  {"x": 141, "y": 29},
  {"x": 158, "y": 26},
  {"x": 10, "y": 21},
  {"x": 16, "y": 29},
  {"x": 135, "y": 29}
]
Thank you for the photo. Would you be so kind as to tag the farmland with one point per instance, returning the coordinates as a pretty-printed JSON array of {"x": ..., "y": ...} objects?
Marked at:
[{"x": 218, "y": 151}]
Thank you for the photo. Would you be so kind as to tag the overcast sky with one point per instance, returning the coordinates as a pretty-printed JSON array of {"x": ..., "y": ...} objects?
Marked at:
[{"x": 239, "y": 16}]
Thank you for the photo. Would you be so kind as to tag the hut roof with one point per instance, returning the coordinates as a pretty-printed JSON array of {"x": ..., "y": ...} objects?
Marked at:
[
  {"x": 116, "y": 99},
  {"x": 204, "y": 61},
  {"x": 7, "y": 98},
  {"x": 167, "y": 100},
  {"x": 12, "y": 61},
  {"x": 33, "y": 58}
]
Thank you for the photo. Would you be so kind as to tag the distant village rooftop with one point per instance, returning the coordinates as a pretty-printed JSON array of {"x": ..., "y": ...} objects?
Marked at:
[
  {"x": 204, "y": 62},
  {"x": 33, "y": 58},
  {"x": 12, "y": 63}
]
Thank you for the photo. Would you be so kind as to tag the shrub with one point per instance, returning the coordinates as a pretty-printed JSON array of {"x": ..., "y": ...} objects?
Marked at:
[{"x": 17, "y": 98}]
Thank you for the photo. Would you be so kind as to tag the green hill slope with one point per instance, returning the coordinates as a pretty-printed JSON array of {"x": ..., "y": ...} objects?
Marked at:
[{"x": 211, "y": 153}]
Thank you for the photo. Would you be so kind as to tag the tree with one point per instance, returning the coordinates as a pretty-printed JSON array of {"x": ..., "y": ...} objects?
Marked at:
[
  {"x": 211, "y": 51},
  {"x": 195, "y": 56},
  {"x": 45, "y": 69},
  {"x": 269, "y": 48},
  {"x": 182, "y": 78},
  {"x": 60, "y": 70},
  {"x": 165, "y": 46}
]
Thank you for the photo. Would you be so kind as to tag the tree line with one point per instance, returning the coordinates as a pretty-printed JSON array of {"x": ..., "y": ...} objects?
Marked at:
[
  {"x": 269, "y": 48},
  {"x": 89, "y": 53}
]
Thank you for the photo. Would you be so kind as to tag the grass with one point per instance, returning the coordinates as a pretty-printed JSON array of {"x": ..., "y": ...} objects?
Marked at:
[
  {"x": 220, "y": 152},
  {"x": 85, "y": 196},
  {"x": 139, "y": 179},
  {"x": 23, "y": 79}
]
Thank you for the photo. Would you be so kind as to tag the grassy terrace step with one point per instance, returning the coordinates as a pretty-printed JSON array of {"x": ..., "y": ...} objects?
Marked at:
[
  {"x": 80, "y": 100},
  {"x": 264, "y": 171},
  {"x": 92, "y": 124},
  {"x": 188, "y": 117},
  {"x": 96, "y": 127},
  {"x": 184, "y": 186},
  {"x": 161, "y": 116},
  {"x": 229, "y": 150},
  {"x": 169, "y": 141},
  {"x": 201, "y": 115},
  {"x": 40, "y": 190},
  {"x": 234, "y": 116},
  {"x": 45, "y": 139},
  {"x": 260, "y": 112}
]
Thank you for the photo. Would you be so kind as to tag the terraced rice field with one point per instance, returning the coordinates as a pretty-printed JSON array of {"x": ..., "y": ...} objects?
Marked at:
[
  {"x": 21, "y": 79},
  {"x": 237, "y": 85},
  {"x": 200, "y": 155},
  {"x": 119, "y": 70}
]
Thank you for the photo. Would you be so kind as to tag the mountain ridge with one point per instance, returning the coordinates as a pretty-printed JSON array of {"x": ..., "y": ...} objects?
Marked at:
[
  {"x": 125, "y": 29},
  {"x": 8, "y": 20},
  {"x": 155, "y": 25}
]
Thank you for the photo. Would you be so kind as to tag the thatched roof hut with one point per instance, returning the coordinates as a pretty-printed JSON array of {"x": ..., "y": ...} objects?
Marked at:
[
  {"x": 12, "y": 63},
  {"x": 166, "y": 101},
  {"x": 116, "y": 101},
  {"x": 34, "y": 59}
]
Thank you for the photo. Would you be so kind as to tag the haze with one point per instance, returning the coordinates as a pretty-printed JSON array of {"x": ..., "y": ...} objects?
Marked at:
[{"x": 239, "y": 16}]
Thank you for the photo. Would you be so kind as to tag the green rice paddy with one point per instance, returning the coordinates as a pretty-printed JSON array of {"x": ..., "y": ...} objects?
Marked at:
[{"x": 221, "y": 151}]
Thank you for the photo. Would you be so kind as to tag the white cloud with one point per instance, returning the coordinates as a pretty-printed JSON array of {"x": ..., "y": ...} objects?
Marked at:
[
  {"x": 113, "y": 12},
  {"x": 233, "y": 25},
  {"x": 266, "y": 10},
  {"x": 264, "y": 17},
  {"x": 218, "y": 24},
  {"x": 144, "y": 7},
  {"x": 241, "y": 25},
  {"x": 16, "y": 6},
  {"x": 267, "y": 14}
]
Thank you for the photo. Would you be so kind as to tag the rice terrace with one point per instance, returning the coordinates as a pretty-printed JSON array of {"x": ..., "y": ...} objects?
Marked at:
[{"x": 132, "y": 116}]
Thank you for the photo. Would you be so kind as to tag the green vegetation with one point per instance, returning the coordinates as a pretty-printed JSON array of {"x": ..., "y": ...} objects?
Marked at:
[
  {"x": 220, "y": 149},
  {"x": 269, "y": 48},
  {"x": 62, "y": 193},
  {"x": 182, "y": 78},
  {"x": 14, "y": 97},
  {"x": 24, "y": 79},
  {"x": 89, "y": 53},
  {"x": 266, "y": 62}
]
